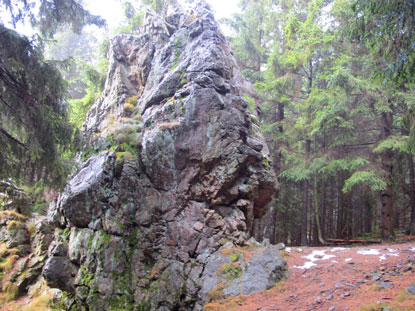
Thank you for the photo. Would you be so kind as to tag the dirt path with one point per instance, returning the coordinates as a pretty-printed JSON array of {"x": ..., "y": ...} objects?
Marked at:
[{"x": 367, "y": 278}]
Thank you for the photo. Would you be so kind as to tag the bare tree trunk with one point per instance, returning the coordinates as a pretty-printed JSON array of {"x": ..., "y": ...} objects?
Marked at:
[
  {"x": 304, "y": 213},
  {"x": 305, "y": 200},
  {"x": 319, "y": 238},
  {"x": 324, "y": 215},
  {"x": 411, "y": 193},
  {"x": 387, "y": 211},
  {"x": 340, "y": 218},
  {"x": 347, "y": 208}
]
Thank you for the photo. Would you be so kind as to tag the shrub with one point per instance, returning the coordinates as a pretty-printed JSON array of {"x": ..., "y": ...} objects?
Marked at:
[
  {"x": 128, "y": 107},
  {"x": 31, "y": 228}
]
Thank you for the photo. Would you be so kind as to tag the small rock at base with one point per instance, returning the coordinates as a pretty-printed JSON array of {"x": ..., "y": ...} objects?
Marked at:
[
  {"x": 318, "y": 299},
  {"x": 332, "y": 308},
  {"x": 384, "y": 285},
  {"x": 411, "y": 289}
]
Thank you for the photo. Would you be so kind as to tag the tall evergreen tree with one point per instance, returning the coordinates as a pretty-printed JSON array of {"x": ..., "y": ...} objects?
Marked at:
[{"x": 34, "y": 128}]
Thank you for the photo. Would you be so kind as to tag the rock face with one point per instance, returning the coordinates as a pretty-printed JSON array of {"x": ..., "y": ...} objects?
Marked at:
[{"x": 187, "y": 171}]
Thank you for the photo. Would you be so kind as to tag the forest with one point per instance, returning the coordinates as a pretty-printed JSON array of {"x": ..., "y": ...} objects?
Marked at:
[
  {"x": 334, "y": 80},
  {"x": 335, "y": 99}
]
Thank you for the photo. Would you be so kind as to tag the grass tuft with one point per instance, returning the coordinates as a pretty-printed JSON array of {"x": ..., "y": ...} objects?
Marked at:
[
  {"x": 8, "y": 263},
  {"x": 14, "y": 224},
  {"x": 40, "y": 303},
  {"x": 11, "y": 291},
  {"x": 12, "y": 215}
]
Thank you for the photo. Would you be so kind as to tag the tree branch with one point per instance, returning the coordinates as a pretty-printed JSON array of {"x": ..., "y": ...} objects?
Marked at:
[
  {"x": 10, "y": 137},
  {"x": 362, "y": 144}
]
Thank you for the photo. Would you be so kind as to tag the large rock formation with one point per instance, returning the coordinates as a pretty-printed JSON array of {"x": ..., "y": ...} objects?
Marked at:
[{"x": 185, "y": 172}]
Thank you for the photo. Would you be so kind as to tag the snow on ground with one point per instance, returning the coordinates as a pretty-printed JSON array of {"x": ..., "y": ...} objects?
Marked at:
[
  {"x": 318, "y": 255},
  {"x": 314, "y": 257},
  {"x": 368, "y": 252},
  {"x": 338, "y": 249}
]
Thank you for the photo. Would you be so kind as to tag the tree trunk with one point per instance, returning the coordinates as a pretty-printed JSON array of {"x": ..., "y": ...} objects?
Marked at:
[
  {"x": 324, "y": 217},
  {"x": 340, "y": 218},
  {"x": 304, "y": 222},
  {"x": 411, "y": 193},
  {"x": 305, "y": 199},
  {"x": 387, "y": 232},
  {"x": 348, "y": 212},
  {"x": 317, "y": 213}
]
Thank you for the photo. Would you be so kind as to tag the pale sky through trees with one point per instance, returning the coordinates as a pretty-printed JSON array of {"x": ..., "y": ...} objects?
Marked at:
[{"x": 112, "y": 11}]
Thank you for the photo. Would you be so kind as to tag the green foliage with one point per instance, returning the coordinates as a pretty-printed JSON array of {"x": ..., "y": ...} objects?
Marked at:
[
  {"x": 396, "y": 143},
  {"x": 234, "y": 257},
  {"x": 324, "y": 108},
  {"x": 159, "y": 6},
  {"x": 251, "y": 103},
  {"x": 79, "y": 107},
  {"x": 387, "y": 29},
  {"x": 135, "y": 19},
  {"x": 36, "y": 193},
  {"x": 34, "y": 122},
  {"x": 231, "y": 271},
  {"x": 51, "y": 15},
  {"x": 87, "y": 278},
  {"x": 333, "y": 167},
  {"x": 144, "y": 305},
  {"x": 127, "y": 132},
  {"x": 365, "y": 178},
  {"x": 296, "y": 173}
]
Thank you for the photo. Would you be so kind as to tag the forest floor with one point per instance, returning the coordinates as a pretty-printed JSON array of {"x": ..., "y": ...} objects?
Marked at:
[{"x": 378, "y": 277}]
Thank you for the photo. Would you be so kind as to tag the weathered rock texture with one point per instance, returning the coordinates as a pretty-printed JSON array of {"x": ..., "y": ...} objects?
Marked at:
[{"x": 140, "y": 230}]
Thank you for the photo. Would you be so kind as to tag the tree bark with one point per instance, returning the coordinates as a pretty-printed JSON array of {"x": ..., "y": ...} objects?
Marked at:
[
  {"x": 304, "y": 222},
  {"x": 340, "y": 218},
  {"x": 411, "y": 192},
  {"x": 317, "y": 212},
  {"x": 387, "y": 211}
]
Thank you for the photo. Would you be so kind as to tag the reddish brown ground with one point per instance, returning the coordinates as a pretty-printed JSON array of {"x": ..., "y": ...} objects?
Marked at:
[
  {"x": 351, "y": 283},
  {"x": 337, "y": 284}
]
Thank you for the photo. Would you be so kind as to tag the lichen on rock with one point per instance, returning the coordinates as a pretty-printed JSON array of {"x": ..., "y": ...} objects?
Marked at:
[{"x": 143, "y": 228}]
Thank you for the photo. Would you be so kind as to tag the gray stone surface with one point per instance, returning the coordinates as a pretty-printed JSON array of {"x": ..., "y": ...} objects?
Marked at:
[
  {"x": 146, "y": 230},
  {"x": 228, "y": 273},
  {"x": 411, "y": 290}
]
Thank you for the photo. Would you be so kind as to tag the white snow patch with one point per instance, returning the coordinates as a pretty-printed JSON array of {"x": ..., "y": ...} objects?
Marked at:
[
  {"x": 338, "y": 249},
  {"x": 368, "y": 252},
  {"x": 307, "y": 265},
  {"x": 288, "y": 249},
  {"x": 391, "y": 250},
  {"x": 384, "y": 256},
  {"x": 334, "y": 261},
  {"x": 313, "y": 257},
  {"x": 348, "y": 259}
]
